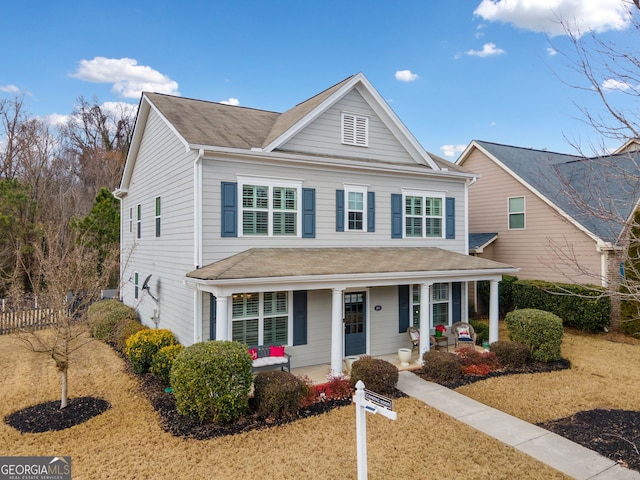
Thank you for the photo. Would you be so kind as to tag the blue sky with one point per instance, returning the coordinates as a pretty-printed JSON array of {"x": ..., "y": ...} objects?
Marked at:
[{"x": 452, "y": 70}]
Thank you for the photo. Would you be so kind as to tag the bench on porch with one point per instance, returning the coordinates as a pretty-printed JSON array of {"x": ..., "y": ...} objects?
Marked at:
[{"x": 269, "y": 357}]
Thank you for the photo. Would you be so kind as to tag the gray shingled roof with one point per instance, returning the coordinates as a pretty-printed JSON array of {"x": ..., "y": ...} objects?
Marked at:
[
  {"x": 295, "y": 262},
  {"x": 598, "y": 192},
  {"x": 478, "y": 240}
]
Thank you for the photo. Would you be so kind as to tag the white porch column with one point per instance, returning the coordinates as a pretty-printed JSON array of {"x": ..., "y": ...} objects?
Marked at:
[
  {"x": 197, "y": 313},
  {"x": 425, "y": 319},
  {"x": 493, "y": 311},
  {"x": 222, "y": 318},
  {"x": 337, "y": 330}
]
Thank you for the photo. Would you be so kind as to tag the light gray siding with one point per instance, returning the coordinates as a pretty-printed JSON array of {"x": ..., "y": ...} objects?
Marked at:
[
  {"x": 323, "y": 136},
  {"x": 163, "y": 168}
]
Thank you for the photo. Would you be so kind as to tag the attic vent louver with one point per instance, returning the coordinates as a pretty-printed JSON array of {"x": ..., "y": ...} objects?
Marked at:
[{"x": 355, "y": 130}]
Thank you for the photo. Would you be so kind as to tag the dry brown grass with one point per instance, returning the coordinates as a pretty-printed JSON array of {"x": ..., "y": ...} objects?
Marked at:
[
  {"x": 604, "y": 374},
  {"x": 127, "y": 441}
]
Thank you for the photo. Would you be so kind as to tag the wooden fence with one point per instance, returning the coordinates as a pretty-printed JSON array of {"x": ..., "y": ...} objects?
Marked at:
[{"x": 30, "y": 319}]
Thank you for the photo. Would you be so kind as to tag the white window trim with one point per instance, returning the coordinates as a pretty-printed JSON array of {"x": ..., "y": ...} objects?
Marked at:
[
  {"x": 360, "y": 132},
  {"x": 136, "y": 285},
  {"x": 261, "y": 316},
  {"x": 157, "y": 231},
  {"x": 523, "y": 212},
  {"x": 270, "y": 183},
  {"x": 139, "y": 220},
  {"x": 432, "y": 302},
  {"x": 130, "y": 219},
  {"x": 364, "y": 189},
  {"x": 422, "y": 193}
]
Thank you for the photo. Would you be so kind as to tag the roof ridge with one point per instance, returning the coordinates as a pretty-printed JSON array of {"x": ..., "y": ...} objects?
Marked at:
[{"x": 200, "y": 100}]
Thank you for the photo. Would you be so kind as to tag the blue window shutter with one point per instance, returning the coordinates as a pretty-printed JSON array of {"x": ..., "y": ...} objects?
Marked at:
[
  {"x": 456, "y": 302},
  {"x": 339, "y": 210},
  {"x": 450, "y": 207},
  {"x": 308, "y": 213},
  {"x": 396, "y": 215},
  {"x": 403, "y": 308},
  {"x": 229, "y": 227},
  {"x": 212, "y": 317},
  {"x": 371, "y": 211},
  {"x": 300, "y": 317}
]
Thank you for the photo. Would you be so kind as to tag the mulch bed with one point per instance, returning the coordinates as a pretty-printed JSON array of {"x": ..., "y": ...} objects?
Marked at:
[{"x": 48, "y": 416}]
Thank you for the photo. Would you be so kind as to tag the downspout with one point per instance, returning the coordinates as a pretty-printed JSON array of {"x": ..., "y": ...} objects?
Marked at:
[{"x": 197, "y": 243}]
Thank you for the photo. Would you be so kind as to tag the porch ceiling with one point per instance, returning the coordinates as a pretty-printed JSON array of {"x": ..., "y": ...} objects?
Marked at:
[{"x": 298, "y": 262}]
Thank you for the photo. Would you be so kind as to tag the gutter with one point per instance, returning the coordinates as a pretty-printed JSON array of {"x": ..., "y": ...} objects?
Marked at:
[{"x": 197, "y": 209}]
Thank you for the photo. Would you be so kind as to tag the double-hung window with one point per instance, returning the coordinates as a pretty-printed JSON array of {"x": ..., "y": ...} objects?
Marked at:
[
  {"x": 356, "y": 211},
  {"x": 139, "y": 221},
  {"x": 130, "y": 219},
  {"x": 424, "y": 214},
  {"x": 157, "y": 216},
  {"x": 270, "y": 207},
  {"x": 261, "y": 318},
  {"x": 440, "y": 301},
  {"x": 516, "y": 213}
]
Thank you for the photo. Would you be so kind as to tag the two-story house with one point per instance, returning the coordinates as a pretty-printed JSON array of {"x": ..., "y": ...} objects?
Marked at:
[{"x": 326, "y": 228}]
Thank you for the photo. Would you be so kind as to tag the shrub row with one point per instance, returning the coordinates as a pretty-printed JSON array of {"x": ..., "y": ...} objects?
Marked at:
[
  {"x": 144, "y": 345},
  {"x": 105, "y": 317},
  {"x": 586, "y": 307}
]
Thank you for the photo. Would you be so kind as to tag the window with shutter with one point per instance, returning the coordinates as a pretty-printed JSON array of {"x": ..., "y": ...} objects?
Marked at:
[
  {"x": 261, "y": 318},
  {"x": 355, "y": 130}
]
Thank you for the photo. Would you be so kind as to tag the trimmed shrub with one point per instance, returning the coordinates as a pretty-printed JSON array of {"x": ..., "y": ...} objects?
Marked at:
[
  {"x": 540, "y": 331},
  {"x": 482, "y": 331},
  {"x": 442, "y": 366},
  {"x": 124, "y": 329},
  {"x": 103, "y": 316},
  {"x": 277, "y": 394},
  {"x": 469, "y": 356},
  {"x": 143, "y": 345},
  {"x": 163, "y": 361},
  {"x": 586, "y": 307},
  {"x": 337, "y": 387},
  {"x": 510, "y": 354},
  {"x": 377, "y": 375},
  {"x": 211, "y": 380}
]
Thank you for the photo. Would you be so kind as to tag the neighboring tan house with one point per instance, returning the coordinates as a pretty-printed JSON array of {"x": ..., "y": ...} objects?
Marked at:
[
  {"x": 557, "y": 217},
  {"x": 326, "y": 228}
]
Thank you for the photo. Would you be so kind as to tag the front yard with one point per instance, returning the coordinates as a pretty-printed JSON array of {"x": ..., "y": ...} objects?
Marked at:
[{"x": 127, "y": 442}]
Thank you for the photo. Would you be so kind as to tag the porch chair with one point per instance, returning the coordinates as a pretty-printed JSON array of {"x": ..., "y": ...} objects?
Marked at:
[
  {"x": 414, "y": 337},
  {"x": 463, "y": 334}
]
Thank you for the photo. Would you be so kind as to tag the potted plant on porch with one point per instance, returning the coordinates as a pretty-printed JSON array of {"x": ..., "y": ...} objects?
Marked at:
[{"x": 440, "y": 329}]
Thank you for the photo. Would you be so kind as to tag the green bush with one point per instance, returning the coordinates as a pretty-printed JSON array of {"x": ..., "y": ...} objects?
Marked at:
[
  {"x": 482, "y": 331},
  {"x": 377, "y": 375},
  {"x": 163, "y": 361},
  {"x": 103, "y": 317},
  {"x": 123, "y": 330},
  {"x": 631, "y": 327},
  {"x": 510, "y": 354},
  {"x": 586, "y": 307},
  {"x": 540, "y": 331},
  {"x": 277, "y": 394},
  {"x": 211, "y": 381},
  {"x": 143, "y": 345},
  {"x": 442, "y": 366}
]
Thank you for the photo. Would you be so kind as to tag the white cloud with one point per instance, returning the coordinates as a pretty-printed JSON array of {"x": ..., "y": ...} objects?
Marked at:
[
  {"x": 231, "y": 101},
  {"x": 57, "y": 119},
  {"x": 406, "y": 76},
  {"x": 9, "y": 89},
  {"x": 613, "y": 84},
  {"x": 548, "y": 16},
  {"x": 451, "y": 150},
  {"x": 551, "y": 51},
  {"x": 128, "y": 78},
  {"x": 488, "y": 50}
]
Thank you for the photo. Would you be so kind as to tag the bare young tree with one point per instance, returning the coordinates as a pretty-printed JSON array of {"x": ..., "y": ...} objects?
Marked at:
[{"x": 67, "y": 283}]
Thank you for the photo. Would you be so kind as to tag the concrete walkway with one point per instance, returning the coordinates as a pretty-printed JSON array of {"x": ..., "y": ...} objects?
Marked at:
[{"x": 556, "y": 451}]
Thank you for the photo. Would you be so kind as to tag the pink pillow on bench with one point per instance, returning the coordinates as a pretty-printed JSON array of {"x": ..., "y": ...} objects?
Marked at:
[
  {"x": 276, "y": 351},
  {"x": 253, "y": 352}
]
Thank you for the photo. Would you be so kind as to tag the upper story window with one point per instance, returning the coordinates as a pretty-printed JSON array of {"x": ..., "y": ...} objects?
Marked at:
[
  {"x": 270, "y": 207},
  {"x": 157, "y": 216},
  {"x": 516, "y": 213},
  {"x": 356, "y": 211},
  {"x": 355, "y": 129},
  {"x": 424, "y": 214}
]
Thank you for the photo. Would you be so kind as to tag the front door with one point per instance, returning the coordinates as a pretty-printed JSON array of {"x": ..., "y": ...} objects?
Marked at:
[{"x": 355, "y": 342}]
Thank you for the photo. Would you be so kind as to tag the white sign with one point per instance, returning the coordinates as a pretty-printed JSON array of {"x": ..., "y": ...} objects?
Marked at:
[{"x": 368, "y": 401}]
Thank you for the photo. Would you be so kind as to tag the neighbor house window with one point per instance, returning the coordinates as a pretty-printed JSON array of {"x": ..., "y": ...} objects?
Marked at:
[
  {"x": 261, "y": 318},
  {"x": 270, "y": 208},
  {"x": 516, "y": 213},
  {"x": 157, "y": 216},
  {"x": 356, "y": 211},
  {"x": 423, "y": 215},
  {"x": 355, "y": 129},
  {"x": 139, "y": 221}
]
